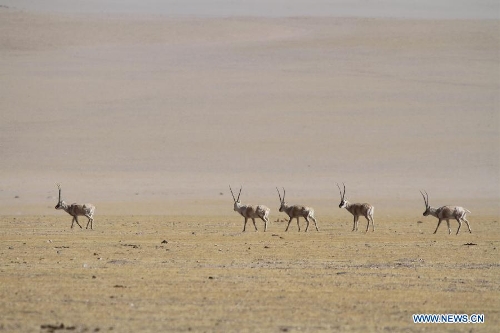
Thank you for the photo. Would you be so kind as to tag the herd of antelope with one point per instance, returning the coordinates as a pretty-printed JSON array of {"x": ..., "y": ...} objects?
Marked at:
[{"x": 293, "y": 211}]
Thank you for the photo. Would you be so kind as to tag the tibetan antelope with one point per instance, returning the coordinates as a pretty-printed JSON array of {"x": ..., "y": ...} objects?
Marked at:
[
  {"x": 446, "y": 213},
  {"x": 296, "y": 211},
  {"x": 75, "y": 210},
  {"x": 357, "y": 210},
  {"x": 251, "y": 212}
]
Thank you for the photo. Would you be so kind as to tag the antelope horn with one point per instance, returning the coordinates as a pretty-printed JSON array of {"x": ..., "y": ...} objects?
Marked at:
[
  {"x": 342, "y": 195},
  {"x": 284, "y": 193},
  {"x": 232, "y": 193},
  {"x": 340, "y": 191},
  {"x": 59, "y": 187},
  {"x": 426, "y": 201},
  {"x": 279, "y": 194},
  {"x": 239, "y": 193}
]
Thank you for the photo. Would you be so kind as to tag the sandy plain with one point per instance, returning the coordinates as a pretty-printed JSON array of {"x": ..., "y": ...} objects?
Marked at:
[
  {"x": 210, "y": 277},
  {"x": 151, "y": 118}
]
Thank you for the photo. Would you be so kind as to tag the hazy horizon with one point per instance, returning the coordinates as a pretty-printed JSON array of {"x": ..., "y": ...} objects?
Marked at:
[
  {"x": 128, "y": 109},
  {"x": 428, "y": 9}
]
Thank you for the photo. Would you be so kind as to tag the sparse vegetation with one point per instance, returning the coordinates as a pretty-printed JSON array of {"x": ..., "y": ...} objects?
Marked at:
[{"x": 210, "y": 276}]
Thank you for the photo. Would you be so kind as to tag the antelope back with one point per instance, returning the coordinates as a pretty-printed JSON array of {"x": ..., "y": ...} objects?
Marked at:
[
  {"x": 248, "y": 211},
  {"x": 80, "y": 210},
  {"x": 360, "y": 209},
  {"x": 297, "y": 211},
  {"x": 447, "y": 212}
]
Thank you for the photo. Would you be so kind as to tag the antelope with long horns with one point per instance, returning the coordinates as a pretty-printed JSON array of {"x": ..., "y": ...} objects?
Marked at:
[
  {"x": 296, "y": 211},
  {"x": 357, "y": 210},
  {"x": 250, "y": 212},
  {"x": 75, "y": 210},
  {"x": 446, "y": 213}
]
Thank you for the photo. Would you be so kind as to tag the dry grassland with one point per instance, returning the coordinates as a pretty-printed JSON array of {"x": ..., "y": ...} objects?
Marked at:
[
  {"x": 153, "y": 114},
  {"x": 202, "y": 274}
]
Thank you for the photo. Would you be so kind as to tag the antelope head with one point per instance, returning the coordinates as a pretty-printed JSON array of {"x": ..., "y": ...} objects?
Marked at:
[
  {"x": 282, "y": 201},
  {"x": 237, "y": 203},
  {"x": 343, "y": 201},
  {"x": 426, "y": 201},
  {"x": 59, "y": 202}
]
